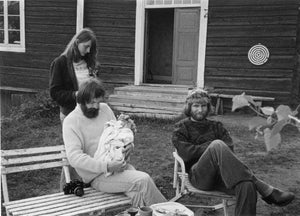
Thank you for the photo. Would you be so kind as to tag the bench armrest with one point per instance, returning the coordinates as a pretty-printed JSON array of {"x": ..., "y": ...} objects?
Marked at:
[{"x": 179, "y": 160}]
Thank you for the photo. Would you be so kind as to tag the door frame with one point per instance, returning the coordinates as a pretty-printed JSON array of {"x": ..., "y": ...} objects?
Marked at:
[{"x": 141, "y": 6}]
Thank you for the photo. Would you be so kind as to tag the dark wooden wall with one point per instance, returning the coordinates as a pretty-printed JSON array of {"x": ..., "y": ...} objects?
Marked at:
[
  {"x": 234, "y": 26},
  {"x": 114, "y": 24},
  {"x": 49, "y": 25}
]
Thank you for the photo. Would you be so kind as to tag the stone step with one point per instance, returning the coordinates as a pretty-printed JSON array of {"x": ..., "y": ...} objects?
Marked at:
[
  {"x": 147, "y": 100},
  {"x": 162, "y": 109},
  {"x": 161, "y": 101},
  {"x": 152, "y": 94},
  {"x": 144, "y": 110},
  {"x": 153, "y": 89},
  {"x": 148, "y": 112},
  {"x": 157, "y": 86},
  {"x": 158, "y": 92}
]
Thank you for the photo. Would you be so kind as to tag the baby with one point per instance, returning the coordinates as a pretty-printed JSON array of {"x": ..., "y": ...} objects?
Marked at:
[{"x": 116, "y": 135}]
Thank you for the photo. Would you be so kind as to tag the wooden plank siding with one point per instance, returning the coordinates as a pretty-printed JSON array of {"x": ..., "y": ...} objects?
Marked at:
[
  {"x": 234, "y": 26},
  {"x": 296, "y": 76},
  {"x": 114, "y": 24},
  {"x": 50, "y": 24}
]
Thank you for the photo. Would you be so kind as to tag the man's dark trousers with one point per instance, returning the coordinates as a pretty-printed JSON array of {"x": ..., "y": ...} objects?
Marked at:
[{"x": 219, "y": 169}]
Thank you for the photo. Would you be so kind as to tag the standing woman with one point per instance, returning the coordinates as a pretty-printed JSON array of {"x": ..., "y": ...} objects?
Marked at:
[{"x": 74, "y": 66}]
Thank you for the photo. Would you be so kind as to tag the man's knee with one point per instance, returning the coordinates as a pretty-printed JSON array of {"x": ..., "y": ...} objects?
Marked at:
[
  {"x": 217, "y": 144},
  {"x": 142, "y": 177},
  {"x": 142, "y": 181}
]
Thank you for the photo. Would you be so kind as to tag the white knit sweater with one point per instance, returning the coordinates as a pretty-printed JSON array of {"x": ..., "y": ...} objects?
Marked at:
[{"x": 81, "y": 137}]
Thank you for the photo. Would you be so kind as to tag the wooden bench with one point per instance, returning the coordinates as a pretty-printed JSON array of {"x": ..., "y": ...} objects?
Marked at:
[
  {"x": 8, "y": 99},
  {"x": 91, "y": 203},
  {"x": 221, "y": 97}
]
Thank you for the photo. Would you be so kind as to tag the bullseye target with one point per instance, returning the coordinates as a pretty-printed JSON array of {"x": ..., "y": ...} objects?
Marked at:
[{"x": 258, "y": 54}]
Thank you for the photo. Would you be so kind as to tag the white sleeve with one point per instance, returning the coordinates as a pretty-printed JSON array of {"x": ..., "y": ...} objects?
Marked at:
[{"x": 74, "y": 149}]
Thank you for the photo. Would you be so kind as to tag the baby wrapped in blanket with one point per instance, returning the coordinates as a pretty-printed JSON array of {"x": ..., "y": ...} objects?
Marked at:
[{"x": 116, "y": 135}]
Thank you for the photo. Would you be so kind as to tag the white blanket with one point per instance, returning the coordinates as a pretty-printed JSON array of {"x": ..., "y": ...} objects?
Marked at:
[{"x": 116, "y": 135}]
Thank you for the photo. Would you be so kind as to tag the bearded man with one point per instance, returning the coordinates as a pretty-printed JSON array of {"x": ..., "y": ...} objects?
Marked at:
[
  {"x": 207, "y": 150},
  {"x": 82, "y": 129}
]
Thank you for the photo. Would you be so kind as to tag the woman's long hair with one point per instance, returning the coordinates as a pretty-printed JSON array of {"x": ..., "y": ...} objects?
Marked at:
[{"x": 72, "y": 53}]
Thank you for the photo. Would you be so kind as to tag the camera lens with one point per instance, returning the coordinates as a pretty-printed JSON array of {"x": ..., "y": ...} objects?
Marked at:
[{"x": 78, "y": 191}]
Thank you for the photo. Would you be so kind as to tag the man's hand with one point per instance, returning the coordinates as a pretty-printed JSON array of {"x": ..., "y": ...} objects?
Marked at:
[
  {"x": 116, "y": 166},
  {"x": 127, "y": 150}
]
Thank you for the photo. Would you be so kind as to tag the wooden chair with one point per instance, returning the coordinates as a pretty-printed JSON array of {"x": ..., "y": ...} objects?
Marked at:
[
  {"x": 91, "y": 203},
  {"x": 183, "y": 187}
]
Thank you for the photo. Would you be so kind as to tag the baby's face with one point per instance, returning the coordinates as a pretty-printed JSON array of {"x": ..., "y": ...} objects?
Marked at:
[{"x": 126, "y": 125}]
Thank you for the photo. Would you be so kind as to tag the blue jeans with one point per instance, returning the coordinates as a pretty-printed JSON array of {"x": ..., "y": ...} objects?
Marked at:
[{"x": 219, "y": 169}]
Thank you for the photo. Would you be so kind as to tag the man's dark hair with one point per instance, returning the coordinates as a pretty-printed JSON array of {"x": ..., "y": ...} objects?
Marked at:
[
  {"x": 194, "y": 96},
  {"x": 93, "y": 88}
]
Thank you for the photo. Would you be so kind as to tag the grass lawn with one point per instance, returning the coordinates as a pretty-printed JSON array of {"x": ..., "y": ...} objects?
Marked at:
[{"x": 153, "y": 154}]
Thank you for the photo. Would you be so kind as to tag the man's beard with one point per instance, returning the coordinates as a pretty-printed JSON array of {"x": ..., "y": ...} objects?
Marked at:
[
  {"x": 199, "y": 116},
  {"x": 89, "y": 112}
]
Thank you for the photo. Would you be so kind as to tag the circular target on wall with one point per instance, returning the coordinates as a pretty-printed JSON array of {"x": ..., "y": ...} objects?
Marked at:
[{"x": 258, "y": 54}]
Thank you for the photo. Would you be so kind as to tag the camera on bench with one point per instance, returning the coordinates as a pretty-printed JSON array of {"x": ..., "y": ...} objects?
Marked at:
[{"x": 75, "y": 187}]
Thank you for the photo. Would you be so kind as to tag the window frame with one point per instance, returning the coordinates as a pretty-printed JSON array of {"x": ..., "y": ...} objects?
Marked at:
[
  {"x": 14, "y": 47},
  {"x": 151, "y": 4}
]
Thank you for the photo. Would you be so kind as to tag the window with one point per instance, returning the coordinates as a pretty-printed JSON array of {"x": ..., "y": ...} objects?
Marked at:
[{"x": 12, "y": 27}]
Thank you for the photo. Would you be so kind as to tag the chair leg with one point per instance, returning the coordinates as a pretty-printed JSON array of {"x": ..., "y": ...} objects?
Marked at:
[
  {"x": 177, "y": 197},
  {"x": 225, "y": 207}
]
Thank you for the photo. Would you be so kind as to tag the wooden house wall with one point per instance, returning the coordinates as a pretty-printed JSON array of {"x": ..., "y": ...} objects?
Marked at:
[
  {"x": 114, "y": 25},
  {"x": 49, "y": 25},
  {"x": 234, "y": 26}
]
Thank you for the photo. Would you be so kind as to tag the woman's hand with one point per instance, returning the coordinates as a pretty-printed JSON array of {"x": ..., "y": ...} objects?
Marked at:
[
  {"x": 116, "y": 166},
  {"x": 128, "y": 149}
]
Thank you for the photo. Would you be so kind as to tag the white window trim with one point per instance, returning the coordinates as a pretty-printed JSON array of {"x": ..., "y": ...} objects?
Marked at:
[
  {"x": 80, "y": 15},
  {"x": 139, "y": 38},
  {"x": 14, "y": 47}
]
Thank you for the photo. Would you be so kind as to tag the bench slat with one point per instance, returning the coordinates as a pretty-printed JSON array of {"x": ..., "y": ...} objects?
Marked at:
[
  {"x": 33, "y": 167},
  {"x": 262, "y": 98},
  {"x": 94, "y": 208},
  {"x": 18, "y": 152},
  {"x": 73, "y": 207},
  {"x": 52, "y": 198},
  {"x": 21, "y": 160},
  {"x": 13, "y": 161},
  {"x": 17, "y": 89},
  {"x": 62, "y": 202},
  {"x": 65, "y": 205}
]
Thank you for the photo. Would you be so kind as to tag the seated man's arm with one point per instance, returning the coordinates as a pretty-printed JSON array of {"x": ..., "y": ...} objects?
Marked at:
[
  {"x": 74, "y": 149},
  {"x": 224, "y": 135},
  {"x": 186, "y": 149}
]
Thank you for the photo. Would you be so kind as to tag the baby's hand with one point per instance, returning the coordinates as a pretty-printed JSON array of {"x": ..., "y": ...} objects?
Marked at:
[{"x": 116, "y": 166}]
